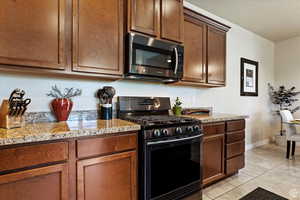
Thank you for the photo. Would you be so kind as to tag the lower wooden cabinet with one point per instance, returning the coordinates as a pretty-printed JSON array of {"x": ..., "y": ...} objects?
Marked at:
[
  {"x": 110, "y": 177},
  {"x": 213, "y": 158},
  {"x": 47, "y": 183}
]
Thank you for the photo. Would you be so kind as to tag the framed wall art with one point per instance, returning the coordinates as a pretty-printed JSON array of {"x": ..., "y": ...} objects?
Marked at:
[{"x": 249, "y": 77}]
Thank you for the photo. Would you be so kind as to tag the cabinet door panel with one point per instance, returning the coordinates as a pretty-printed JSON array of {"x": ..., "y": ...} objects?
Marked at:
[
  {"x": 98, "y": 36},
  {"x": 216, "y": 47},
  {"x": 33, "y": 33},
  {"x": 144, "y": 16},
  {"x": 194, "y": 50},
  {"x": 110, "y": 177},
  {"x": 213, "y": 158},
  {"x": 48, "y": 183},
  {"x": 172, "y": 20}
]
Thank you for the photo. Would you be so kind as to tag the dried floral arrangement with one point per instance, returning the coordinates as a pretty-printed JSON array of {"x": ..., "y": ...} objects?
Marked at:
[
  {"x": 67, "y": 94},
  {"x": 284, "y": 98}
]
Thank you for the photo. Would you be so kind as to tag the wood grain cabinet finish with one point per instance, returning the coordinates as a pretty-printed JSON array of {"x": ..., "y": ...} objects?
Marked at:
[
  {"x": 110, "y": 177},
  {"x": 213, "y": 158},
  {"x": 98, "y": 36},
  {"x": 33, "y": 33},
  {"x": 172, "y": 20},
  {"x": 210, "y": 129},
  {"x": 194, "y": 50},
  {"x": 234, "y": 164},
  {"x": 144, "y": 16},
  {"x": 47, "y": 183},
  {"x": 32, "y": 155},
  {"x": 216, "y": 56},
  {"x": 235, "y": 125}
]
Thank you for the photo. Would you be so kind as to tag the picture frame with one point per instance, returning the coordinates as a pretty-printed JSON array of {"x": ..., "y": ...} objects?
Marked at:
[{"x": 249, "y": 77}]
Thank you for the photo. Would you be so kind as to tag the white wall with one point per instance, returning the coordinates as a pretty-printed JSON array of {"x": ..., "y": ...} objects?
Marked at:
[
  {"x": 287, "y": 64},
  {"x": 240, "y": 43}
]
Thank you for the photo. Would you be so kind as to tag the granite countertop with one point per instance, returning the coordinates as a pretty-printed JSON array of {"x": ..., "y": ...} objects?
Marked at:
[
  {"x": 217, "y": 117},
  {"x": 37, "y": 132}
]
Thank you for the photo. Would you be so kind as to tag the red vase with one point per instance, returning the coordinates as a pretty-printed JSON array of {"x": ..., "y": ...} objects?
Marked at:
[{"x": 62, "y": 108}]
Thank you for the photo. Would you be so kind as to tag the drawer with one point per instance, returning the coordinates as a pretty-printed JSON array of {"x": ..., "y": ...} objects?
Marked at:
[
  {"x": 235, "y": 149},
  {"x": 106, "y": 145},
  {"x": 235, "y": 125},
  {"x": 234, "y": 164},
  {"x": 232, "y": 137},
  {"x": 27, "y": 156},
  {"x": 214, "y": 128}
]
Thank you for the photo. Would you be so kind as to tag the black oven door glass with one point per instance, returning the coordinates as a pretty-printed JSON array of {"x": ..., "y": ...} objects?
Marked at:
[
  {"x": 172, "y": 166},
  {"x": 152, "y": 57}
]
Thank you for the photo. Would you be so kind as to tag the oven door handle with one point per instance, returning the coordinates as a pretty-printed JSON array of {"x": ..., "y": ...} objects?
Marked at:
[
  {"x": 175, "y": 140},
  {"x": 176, "y": 60}
]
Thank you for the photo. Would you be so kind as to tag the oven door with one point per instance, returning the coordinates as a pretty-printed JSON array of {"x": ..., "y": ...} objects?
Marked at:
[
  {"x": 150, "y": 57},
  {"x": 173, "y": 168}
]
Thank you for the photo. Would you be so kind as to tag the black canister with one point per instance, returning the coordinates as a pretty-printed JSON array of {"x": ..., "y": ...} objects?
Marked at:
[{"x": 106, "y": 111}]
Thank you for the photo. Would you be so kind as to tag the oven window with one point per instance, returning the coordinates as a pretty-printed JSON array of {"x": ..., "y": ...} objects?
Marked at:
[
  {"x": 174, "y": 166},
  {"x": 152, "y": 57}
]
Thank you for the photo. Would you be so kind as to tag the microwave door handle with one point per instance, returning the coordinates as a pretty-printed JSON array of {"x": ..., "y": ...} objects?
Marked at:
[{"x": 176, "y": 60}]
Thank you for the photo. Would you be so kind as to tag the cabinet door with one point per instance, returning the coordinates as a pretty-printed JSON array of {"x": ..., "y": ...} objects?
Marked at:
[
  {"x": 213, "y": 158},
  {"x": 144, "y": 16},
  {"x": 98, "y": 36},
  {"x": 194, "y": 50},
  {"x": 110, "y": 177},
  {"x": 216, "y": 48},
  {"x": 172, "y": 20},
  {"x": 47, "y": 183},
  {"x": 33, "y": 33}
]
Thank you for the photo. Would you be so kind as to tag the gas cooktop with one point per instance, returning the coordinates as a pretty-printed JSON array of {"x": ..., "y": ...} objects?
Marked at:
[{"x": 152, "y": 120}]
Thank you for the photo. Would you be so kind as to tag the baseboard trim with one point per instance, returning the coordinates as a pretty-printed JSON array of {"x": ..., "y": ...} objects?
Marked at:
[{"x": 257, "y": 144}]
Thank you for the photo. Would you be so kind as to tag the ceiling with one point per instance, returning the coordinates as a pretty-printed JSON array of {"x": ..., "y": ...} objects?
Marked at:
[{"x": 275, "y": 20}]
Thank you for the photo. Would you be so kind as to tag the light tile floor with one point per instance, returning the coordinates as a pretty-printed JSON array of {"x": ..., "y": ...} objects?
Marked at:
[{"x": 266, "y": 167}]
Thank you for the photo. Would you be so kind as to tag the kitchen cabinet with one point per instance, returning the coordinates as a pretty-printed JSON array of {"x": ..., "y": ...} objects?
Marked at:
[
  {"x": 144, "y": 16},
  {"x": 223, "y": 149},
  {"x": 157, "y": 18},
  {"x": 108, "y": 177},
  {"x": 213, "y": 152},
  {"x": 172, "y": 20},
  {"x": 235, "y": 146},
  {"x": 98, "y": 36},
  {"x": 205, "y": 51},
  {"x": 33, "y": 34},
  {"x": 48, "y": 183},
  {"x": 216, "y": 56},
  {"x": 75, "y": 169},
  {"x": 195, "y": 50}
]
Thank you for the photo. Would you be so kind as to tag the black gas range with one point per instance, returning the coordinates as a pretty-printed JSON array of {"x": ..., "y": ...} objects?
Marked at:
[{"x": 170, "y": 148}]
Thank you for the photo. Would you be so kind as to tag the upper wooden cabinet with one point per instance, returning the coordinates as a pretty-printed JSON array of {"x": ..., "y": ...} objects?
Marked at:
[
  {"x": 33, "y": 33},
  {"x": 98, "y": 36},
  {"x": 195, "y": 50},
  {"x": 216, "y": 56},
  {"x": 172, "y": 20},
  {"x": 205, "y": 51},
  {"x": 144, "y": 16},
  {"x": 159, "y": 18}
]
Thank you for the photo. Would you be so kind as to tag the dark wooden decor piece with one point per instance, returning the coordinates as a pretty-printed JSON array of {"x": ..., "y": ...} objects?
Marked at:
[{"x": 249, "y": 77}]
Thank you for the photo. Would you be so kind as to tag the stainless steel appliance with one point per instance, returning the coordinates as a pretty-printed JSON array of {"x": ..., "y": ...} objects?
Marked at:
[
  {"x": 153, "y": 59},
  {"x": 170, "y": 148}
]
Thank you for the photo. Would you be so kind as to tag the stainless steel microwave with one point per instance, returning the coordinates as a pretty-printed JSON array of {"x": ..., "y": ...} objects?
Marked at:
[{"x": 151, "y": 59}]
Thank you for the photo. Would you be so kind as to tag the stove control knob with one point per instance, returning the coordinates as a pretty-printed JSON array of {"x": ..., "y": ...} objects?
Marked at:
[
  {"x": 196, "y": 128},
  {"x": 178, "y": 131},
  {"x": 156, "y": 133},
  {"x": 165, "y": 132},
  {"x": 190, "y": 129}
]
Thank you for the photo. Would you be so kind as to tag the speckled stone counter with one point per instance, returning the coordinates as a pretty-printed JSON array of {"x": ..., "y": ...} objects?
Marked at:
[
  {"x": 217, "y": 117},
  {"x": 38, "y": 132}
]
